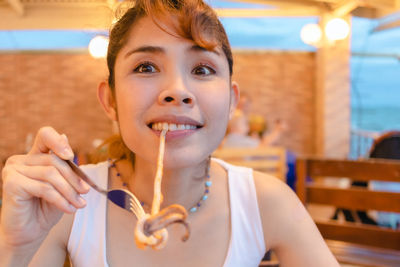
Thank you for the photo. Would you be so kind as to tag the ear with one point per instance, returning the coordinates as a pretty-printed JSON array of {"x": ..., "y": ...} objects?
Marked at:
[
  {"x": 235, "y": 94},
  {"x": 107, "y": 100}
]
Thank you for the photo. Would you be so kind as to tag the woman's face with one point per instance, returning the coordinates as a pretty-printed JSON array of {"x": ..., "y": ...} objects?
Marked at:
[{"x": 160, "y": 78}]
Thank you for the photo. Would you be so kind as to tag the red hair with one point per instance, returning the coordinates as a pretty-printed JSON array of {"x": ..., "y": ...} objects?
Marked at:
[{"x": 190, "y": 19}]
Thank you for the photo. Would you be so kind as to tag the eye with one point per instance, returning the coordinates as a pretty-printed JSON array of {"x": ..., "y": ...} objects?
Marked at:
[
  {"x": 203, "y": 70},
  {"x": 145, "y": 67}
]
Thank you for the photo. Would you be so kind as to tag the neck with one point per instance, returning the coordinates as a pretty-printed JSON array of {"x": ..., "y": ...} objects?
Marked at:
[{"x": 182, "y": 186}]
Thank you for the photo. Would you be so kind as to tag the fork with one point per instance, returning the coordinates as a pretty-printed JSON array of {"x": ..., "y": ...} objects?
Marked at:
[{"x": 120, "y": 197}]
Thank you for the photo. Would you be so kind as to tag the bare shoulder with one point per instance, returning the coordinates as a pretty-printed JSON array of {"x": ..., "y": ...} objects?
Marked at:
[
  {"x": 270, "y": 186},
  {"x": 53, "y": 250},
  {"x": 278, "y": 206},
  {"x": 271, "y": 192},
  {"x": 288, "y": 228}
]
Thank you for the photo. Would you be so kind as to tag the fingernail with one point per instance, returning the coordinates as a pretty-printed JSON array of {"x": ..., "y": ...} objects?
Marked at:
[
  {"x": 64, "y": 140},
  {"x": 84, "y": 185},
  {"x": 71, "y": 208},
  {"x": 67, "y": 153},
  {"x": 65, "y": 137},
  {"x": 81, "y": 200}
]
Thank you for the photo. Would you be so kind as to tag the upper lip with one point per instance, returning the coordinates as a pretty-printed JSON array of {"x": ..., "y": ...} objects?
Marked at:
[{"x": 175, "y": 119}]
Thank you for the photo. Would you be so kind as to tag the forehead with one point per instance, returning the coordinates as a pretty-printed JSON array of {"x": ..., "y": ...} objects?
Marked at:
[{"x": 145, "y": 32}]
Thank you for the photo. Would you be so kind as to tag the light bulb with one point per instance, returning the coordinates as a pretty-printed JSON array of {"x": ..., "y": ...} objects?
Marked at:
[
  {"x": 98, "y": 46},
  {"x": 337, "y": 29},
  {"x": 311, "y": 34}
]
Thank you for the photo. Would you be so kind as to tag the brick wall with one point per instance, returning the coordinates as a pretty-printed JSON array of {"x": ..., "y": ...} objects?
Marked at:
[
  {"x": 281, "y": 86},
  {"x": 50, "y": 89},
  {"x": 59, "y": 89}
]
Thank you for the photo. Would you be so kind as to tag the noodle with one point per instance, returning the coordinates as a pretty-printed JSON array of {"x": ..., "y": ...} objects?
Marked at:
[
  {"x": 151, "y": 228},
  {"x": 157, "y": 198}
]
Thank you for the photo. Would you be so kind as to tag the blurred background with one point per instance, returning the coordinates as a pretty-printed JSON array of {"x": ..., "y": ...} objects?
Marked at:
[
  {"x": 334, "y": 96},
  {"x": 317, "y": 78}
]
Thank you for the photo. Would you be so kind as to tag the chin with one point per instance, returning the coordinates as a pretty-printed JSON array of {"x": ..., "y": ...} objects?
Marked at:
[{"x": 187, "y": 157}]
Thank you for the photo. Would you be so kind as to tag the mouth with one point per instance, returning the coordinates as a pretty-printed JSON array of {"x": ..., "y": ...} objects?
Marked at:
[
  {"x": 159, "y": 126},
  {"x": 175, "y": 125}
]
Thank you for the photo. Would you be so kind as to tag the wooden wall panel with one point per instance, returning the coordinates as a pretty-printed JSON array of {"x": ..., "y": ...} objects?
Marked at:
[{"x": 333, "y": 98}]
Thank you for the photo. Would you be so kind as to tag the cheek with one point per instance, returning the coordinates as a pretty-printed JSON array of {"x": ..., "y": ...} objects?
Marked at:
[
  {"x": 216, "y": 106},
  {"x": 133, "y": 99},
  {"x": 218, "y": 100}
]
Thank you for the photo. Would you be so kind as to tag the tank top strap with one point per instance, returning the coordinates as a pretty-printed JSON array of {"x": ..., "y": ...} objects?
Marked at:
[
  {"x": 87, "y": 242},
  {"x": 247, "y": 246}
]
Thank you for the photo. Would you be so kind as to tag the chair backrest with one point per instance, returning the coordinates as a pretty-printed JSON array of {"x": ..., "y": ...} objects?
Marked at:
[
  {"x": 271, "y": 160},
  {"x": 352, "y": 198},
  {"x": 386, "y": 146}
]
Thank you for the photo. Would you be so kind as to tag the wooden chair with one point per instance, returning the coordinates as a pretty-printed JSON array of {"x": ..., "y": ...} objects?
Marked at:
[
  {"x": 354, "y": 240},
  {"x": 271, "y": 160}
]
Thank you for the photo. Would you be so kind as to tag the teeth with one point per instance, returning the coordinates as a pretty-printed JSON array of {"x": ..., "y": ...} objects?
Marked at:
[
  {"x": 164, "y": 126},
  {"x": 172, "y": 127},
  {"x": 159, "y": 126}
]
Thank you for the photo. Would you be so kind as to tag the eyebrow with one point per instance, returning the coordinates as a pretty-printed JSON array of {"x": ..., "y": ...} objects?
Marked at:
[
  {"x": 146, "y": 49},
  {"x": 160, "y": 50},
  {"x": 196, "y": 48}
]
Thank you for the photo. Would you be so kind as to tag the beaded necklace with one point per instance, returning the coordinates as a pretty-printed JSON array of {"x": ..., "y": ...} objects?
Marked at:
[{"x": 204, "y": 197}]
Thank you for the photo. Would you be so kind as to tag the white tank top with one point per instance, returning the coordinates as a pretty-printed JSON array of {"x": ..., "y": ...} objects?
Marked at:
[{"x": 87, "y": 242}]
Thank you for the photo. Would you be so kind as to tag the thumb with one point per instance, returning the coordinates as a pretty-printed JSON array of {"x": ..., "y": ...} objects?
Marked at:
[{"x": 48, "y": 139}]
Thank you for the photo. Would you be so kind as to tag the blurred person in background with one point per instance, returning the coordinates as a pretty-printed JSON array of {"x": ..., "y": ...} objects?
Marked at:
[{"x": 252, "y": 131}]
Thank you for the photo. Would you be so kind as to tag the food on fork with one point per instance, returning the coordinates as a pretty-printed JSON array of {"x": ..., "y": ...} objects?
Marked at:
[{"x": 151, "y": 228}]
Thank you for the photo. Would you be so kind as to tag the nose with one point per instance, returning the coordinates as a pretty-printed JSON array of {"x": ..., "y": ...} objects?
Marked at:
[{"x": 177, "y": 94}]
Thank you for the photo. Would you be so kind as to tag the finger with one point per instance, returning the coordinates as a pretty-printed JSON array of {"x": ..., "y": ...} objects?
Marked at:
[
  {"x": 22, "y": 188},
  {"x": 52, "y": 160},
  {"x": 52, "y": 177},
  {"x": 15, "y": 159},
  {"x": 48, "y": 139},
  {"x": 49, "y": 194}
]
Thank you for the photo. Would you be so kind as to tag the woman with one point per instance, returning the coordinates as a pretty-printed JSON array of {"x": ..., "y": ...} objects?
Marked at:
[{"x": 169, "y": 63}]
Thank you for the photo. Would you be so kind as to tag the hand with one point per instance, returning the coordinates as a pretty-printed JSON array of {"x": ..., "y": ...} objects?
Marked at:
[{"x": 37, "y": 189}]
